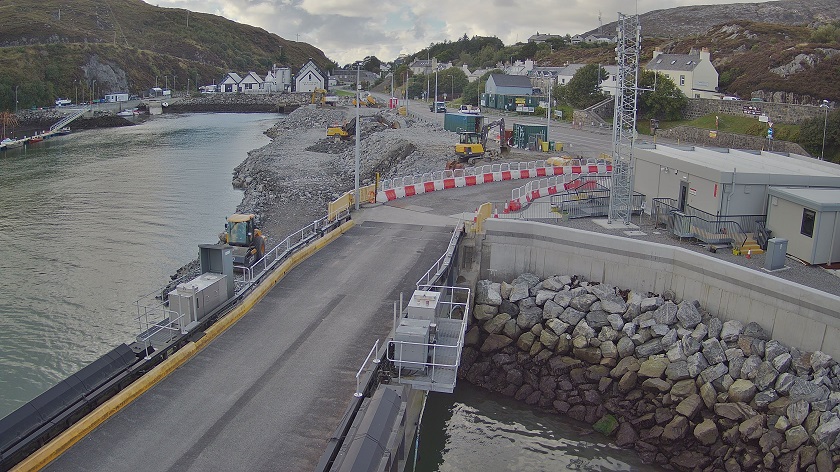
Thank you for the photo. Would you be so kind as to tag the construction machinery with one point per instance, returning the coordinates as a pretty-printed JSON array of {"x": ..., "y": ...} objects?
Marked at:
[
  {"x": 247, "y": 241},
  {"x": 472, "y": 145},
  {"x": 321, "y": 97},
  {"x": 342, "y": 132},
  {"x": 367, "y": 101}
]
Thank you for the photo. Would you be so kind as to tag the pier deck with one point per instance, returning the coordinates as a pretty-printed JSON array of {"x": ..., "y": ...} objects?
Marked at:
[{"x": 267, "y": 394}]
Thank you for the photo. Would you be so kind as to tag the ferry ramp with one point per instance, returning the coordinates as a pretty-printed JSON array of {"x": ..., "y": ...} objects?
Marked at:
[{"x": 269, "y": 392}]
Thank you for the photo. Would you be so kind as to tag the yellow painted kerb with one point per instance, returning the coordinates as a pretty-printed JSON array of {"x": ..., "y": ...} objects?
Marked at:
[{"x": 64, "y": 441}]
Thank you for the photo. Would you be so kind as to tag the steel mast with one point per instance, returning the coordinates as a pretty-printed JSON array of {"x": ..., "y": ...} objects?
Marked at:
[{"x": 628, "y": 49}]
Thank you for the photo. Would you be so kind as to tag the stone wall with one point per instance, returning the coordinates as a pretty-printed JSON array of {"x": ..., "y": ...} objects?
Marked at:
[
  {"x": 794, "y": 314},
  {"x": 240, "y": 102},
  {"x": 777, "y": 112},
  {"x": 684, "y": 388},
  {"x": 702, "y": 137}
]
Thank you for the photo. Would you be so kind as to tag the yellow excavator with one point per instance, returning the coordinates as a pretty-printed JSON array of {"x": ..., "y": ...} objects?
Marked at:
[
  {"x": 368, "y": 101},
  {"x": 472, "y": 145},
  {"x": 342, "y": 132},
  {"x": 248, "y": 242}
]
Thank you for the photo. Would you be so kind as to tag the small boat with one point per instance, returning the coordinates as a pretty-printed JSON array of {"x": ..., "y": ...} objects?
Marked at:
[
  {"x": 9, "y": 143},
  {"x": 36, "y": 139},
  {"x": 62, "y": 132}
]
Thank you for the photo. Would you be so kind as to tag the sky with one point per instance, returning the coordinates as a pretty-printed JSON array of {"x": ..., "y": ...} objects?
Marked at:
[{"x": 349, "y": 30}]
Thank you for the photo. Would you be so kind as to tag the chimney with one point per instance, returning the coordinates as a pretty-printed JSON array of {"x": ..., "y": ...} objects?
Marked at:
[{"x": 704, "y": 54}]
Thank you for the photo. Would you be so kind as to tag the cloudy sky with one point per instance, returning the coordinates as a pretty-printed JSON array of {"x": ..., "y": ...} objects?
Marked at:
[{"x": 347, "y": 30}]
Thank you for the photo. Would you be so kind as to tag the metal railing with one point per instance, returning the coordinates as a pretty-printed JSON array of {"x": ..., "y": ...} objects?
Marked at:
[
  {"x": 586, "y": 203},
  {"x": 693, "y": 223},
  {"x": 440, "y": 266},
  {"x": 69, "y": 119},
  {"x": 154, "y": 315},
  {"x": 457, "y": 300},
  {"x": 557, "y": 181},
  {"x": 359, "y": 391}
]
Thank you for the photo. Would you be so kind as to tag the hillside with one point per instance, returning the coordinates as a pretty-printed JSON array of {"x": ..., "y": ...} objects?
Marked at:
[
  {"x": 681, "y": 22},
  {"x": 49, "y": 47}
]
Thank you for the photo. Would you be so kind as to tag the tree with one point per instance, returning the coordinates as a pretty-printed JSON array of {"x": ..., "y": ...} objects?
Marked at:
[
  {"x": 661, "y": 98},
  {"x": 584, "y": 89},
  {"x": 372, "y": 64},
  {"x": 473, "y": 89},
  {"x": 811, "y": 135}
]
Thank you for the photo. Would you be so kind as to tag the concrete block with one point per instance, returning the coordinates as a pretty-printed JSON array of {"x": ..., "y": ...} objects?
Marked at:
[
  {"x": 762, "y": 313},
  {"x": 830, "y": 345}
]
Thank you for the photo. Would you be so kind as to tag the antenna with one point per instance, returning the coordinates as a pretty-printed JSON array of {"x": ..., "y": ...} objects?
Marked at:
[{"x": 600, "y": 23}]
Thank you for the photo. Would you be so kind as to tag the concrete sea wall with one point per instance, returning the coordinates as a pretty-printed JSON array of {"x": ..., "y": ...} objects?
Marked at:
[
  {"x": 795, "y": 315},
  {"x": 686, "y": 389}
]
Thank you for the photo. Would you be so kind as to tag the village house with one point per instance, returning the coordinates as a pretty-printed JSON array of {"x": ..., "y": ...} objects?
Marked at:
[
  {"x": 504, "y": 84},
  {"x": 692, "y": 73},
  {"x": 278, "y": 79},
  {"x": 310, "y": 77}
]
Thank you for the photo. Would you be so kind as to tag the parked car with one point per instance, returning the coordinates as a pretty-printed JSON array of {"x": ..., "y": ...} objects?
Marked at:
[
  {"x": 470, "y": 109},
  {"x": 438, "y": 107}
]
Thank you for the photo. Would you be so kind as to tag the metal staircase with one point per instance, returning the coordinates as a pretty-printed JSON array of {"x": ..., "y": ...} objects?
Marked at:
[{"x": 69, "y": 119}]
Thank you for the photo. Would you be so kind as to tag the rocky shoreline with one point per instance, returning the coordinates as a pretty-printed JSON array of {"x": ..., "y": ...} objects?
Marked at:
[{"x": 685, "y": 389}]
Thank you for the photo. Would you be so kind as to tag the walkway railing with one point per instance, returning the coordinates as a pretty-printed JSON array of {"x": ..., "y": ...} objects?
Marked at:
[
  {"x": 69, "y": 119},
  {"x": 693, "y": 223},
  {"x": 155, "y": 317},
  {"x": 436, "y": 271}
]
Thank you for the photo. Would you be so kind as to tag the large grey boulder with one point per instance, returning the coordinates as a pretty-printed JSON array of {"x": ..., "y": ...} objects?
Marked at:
[
  {"x": 688, "y": 315},
  {"x": 773, "y": 349},
  {"x": 713, "y": 351},
  {"x": 650, "y": 304},
  {"x": 766, "y": 375},
  {"x": 797, "y": 412},
  {"x": 696, "y": 364},
  {"x": 495, "y": 342},
  {"x": 666, "y": 314},
  {"x": 528, "y": 279},
  {"x": 649, "y": 348},
  {"x": 625, "y": 347},
  {"x": 826, "y": 433},
  {"x": 597, "y": 319},
  {"x": 553, "y": 284},
  {"x": 613, "y": 305},
  {"x": 690, "y": 406},
  {"x": 488, "y": 293},
  {"x": 731, "y": 330},
  {"x": 706, "y": 432},
  {"x": 528, "y": 317},
  {"x": 559, "y": 327},
  {"x": 519, "y": 292},
  {"x": 754, "y": 330},
  {"x": 485, "y": 312},
  {"x": 497, "y": 324},
  {"x": 808, "y": 391},
  {"x": 551, "y": 310},
  {"x": 543, "y": 296},
  {"x": 795, "y": 437},
  {"x": 677, "y": 371},
  {"x": 509, "y": 307},
  {"x": 563, "y": 298},
  {"x": 714, "y": 372},
  {"x": 583, "y": 329},
  {"x": 583, "y": 302},
  {"x": 572, "y": 315},
  {"x": 742, "y": 390}
]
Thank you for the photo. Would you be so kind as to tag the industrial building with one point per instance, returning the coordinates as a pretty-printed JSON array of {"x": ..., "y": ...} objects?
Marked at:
[{"x": 711, "y": 185}]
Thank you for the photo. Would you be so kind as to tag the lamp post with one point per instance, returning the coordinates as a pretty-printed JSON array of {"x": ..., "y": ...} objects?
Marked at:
[
  {"x": 93, "y": 92},
  {"x": 16, "y": 99},
  {"x": 548, "y": 115},
  {"x": 434, "y": 102},
  {"x": 76, "y": 88},
  {"x": 358, "y": 126},
  {"x": 825, "y": 126},
  {"x": 174, "y": 81},
  {"x": 453, "y": 86}
]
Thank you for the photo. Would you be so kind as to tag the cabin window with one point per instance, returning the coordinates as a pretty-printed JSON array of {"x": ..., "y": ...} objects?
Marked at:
[
  {"x": 682, "y": 80},
  {"x": 808, "y": 217}
]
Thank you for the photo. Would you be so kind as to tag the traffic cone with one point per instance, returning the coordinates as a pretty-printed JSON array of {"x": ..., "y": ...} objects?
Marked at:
[{"x": 749, "y": 253}]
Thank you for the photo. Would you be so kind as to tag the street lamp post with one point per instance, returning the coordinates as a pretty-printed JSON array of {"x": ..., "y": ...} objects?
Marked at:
[
  {"x": 358, "y": 127},
  {"x": 548, "y": 115},
  {"x": 93, "y": 92},
  {"x": 76, "y": 88},
  {"x": 16, "y": 98},
  {"x": 434, "y": 102},
  {"x": 825, "y": 126},
  {"x": 453, "y": 86}
]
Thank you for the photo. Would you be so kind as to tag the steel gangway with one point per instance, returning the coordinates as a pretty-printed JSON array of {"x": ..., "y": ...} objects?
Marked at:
[{"x": 69, "y": 119}]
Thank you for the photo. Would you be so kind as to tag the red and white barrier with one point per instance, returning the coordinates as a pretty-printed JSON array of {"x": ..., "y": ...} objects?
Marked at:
[{"x": 486, "y": 174}]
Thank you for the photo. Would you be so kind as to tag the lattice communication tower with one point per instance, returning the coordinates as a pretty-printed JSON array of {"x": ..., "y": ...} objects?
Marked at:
[{"x": 628, "y": 49}]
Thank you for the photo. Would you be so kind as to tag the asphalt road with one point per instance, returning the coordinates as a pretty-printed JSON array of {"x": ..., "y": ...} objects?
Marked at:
[{"x": 267, "y": 394}]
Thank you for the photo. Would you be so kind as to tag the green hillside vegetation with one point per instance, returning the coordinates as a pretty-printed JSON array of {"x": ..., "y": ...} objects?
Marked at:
[{"x": 49, "y": 47}]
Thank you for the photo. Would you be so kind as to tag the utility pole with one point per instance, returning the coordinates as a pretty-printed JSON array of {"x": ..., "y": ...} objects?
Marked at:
[
  {"x": 358, "y": 126},
  {"x": 548, "y": 115},
  {"x": 825, "y": 126},
  {"x": 434, "y": 102},
  {"x": 16, "y": 99},
  {"x": 76, "y": 88}
]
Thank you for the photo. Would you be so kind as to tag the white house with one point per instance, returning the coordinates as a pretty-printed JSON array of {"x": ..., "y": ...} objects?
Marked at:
[
  {"x": 423, "y": 66},
  {"x": 230, "y": 83},
  {"x": 278, "y": 79},
  {"x": 577, "y": 39},
  {"x": 251, "y": 83},
  {"x": 541, "y": 38},
  {"x": 310, "y": 77},
  {"x": 692, "y": 73}
]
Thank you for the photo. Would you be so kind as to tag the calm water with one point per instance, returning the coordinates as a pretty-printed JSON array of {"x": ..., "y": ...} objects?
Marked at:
[
  {"x": 473, "y": 429},
  {"x": 94, "y": 220}
]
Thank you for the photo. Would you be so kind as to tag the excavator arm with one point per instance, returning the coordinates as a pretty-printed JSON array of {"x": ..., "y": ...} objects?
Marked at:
[{"x": 485, "y": 131}]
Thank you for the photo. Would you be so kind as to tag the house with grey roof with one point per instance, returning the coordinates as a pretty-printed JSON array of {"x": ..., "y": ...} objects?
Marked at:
[
  {"x": 230, "y": 83},
  {"x": 693, "y": 73},
  {"x": 310, "y": 77},
  {"x": 541, "y": 38},
  {"x": 504, "y": 84}
]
